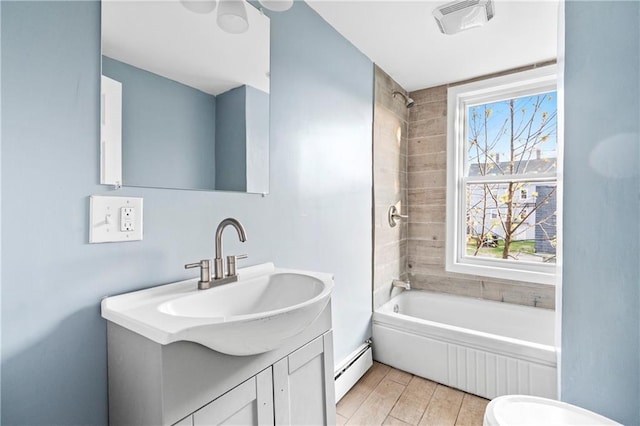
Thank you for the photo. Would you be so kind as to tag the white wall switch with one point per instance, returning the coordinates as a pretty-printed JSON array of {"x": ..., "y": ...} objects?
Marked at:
[{"x": 113, "y": 219}]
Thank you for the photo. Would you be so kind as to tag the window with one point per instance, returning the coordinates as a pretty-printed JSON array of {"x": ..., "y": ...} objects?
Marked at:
[{"x": 502, "y": 177}]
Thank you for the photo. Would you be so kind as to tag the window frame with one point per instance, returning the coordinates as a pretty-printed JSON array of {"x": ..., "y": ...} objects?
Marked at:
[{"x": 459, "y": 97}]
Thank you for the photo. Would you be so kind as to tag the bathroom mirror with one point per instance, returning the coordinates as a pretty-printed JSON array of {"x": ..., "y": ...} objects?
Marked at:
[{"x": 184, "y": 105}]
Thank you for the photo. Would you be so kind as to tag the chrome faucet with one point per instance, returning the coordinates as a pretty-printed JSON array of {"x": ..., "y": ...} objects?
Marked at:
[
  {"x": 219, "y": 277},
  {"x": 401, "y": 284}
]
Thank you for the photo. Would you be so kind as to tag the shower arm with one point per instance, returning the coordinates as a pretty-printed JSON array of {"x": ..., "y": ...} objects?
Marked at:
[{"x": 408, "y": 102}]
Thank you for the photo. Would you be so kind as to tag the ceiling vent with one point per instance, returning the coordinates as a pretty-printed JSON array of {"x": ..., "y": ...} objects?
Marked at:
[{"x": 462, "y": 15}]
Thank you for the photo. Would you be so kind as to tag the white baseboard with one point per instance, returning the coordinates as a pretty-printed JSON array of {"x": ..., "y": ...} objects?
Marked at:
[{"x": 352, "y": 369}]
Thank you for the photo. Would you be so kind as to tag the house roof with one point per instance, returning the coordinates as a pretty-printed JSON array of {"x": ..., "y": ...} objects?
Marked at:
[{"x": 535, "y": 165}]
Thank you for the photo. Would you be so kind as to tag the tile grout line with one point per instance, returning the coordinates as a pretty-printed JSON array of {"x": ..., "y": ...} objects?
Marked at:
[
  {"x": 397, "y": 399},
  {"x": 426, "y": 408},
  {"x": 459, "y": 409}
]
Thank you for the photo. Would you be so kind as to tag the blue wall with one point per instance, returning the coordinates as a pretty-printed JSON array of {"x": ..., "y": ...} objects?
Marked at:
[
  {"x": 242, "y": 140},
  {"x": 317, "y": 215},
  {"x": 601, "y": 306},
  {"x": 168, "y": 130},
  {"x": 231, "y": 134}
]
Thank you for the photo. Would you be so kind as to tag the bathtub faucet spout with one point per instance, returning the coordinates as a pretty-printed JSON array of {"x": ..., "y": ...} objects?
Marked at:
[{"x": 402, "y": 284}]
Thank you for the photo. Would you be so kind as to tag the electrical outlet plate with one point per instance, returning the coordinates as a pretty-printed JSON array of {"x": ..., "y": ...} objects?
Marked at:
[
  {"x": 115, "y": 219},
  {"x": 127, "y": 219}
]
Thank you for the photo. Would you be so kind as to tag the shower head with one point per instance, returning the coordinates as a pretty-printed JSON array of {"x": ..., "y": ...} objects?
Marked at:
[{"x": 408, "y": 102}]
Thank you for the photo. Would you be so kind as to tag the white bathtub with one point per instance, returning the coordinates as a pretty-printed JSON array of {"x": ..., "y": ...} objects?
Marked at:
[{"x": 481, "y": 347}]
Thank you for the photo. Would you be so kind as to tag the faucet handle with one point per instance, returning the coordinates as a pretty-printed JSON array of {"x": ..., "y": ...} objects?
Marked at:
[
  {"x": 205, "y": 272},
  {"x": 231, "y": 263}
]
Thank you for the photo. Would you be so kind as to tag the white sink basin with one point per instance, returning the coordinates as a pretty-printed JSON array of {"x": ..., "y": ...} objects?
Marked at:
[{"x": 256, "y": 314}]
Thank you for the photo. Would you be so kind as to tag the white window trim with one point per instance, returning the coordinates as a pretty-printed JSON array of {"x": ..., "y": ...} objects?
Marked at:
[{"x": 543, "y": 79}]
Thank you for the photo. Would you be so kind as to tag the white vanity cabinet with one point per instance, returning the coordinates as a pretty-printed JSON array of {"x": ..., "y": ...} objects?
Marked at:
[
  {"x": 187, "y": 384},
  {"x": 296, "y": 390}
]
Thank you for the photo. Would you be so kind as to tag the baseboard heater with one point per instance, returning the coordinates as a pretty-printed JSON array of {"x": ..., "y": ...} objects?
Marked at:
[{"x": 354, "y": 367}]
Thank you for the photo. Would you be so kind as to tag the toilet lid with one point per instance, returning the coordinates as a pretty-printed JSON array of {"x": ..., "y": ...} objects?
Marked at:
[{"x": 532, "y": 410}]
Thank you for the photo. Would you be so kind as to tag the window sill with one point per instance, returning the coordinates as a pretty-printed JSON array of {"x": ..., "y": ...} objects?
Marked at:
[{"x": 543, "y": 274}]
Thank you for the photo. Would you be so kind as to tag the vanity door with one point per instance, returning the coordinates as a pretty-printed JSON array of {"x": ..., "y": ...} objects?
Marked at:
[
  {"x": 303, "y": 384},
  {"x": 250, "y": 403}
]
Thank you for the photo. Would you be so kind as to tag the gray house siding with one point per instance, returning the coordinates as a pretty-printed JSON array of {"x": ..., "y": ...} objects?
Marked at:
[{"x": 546, "y": 229}]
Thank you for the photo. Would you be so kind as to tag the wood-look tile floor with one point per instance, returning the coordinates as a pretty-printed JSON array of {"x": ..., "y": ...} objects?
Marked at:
[{"x": 387, "y": 396}]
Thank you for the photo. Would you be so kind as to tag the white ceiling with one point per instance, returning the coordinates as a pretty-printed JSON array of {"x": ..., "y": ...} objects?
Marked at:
[{"x": 403, "y": 39}]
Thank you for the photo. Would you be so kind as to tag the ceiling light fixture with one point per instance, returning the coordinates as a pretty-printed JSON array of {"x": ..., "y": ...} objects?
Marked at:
[
  {"x": 232, "y": 16},
  {"x": 277, "y": 5},
  {"x": 199, "y": 6},
  {"x": 463, "y": 15}
]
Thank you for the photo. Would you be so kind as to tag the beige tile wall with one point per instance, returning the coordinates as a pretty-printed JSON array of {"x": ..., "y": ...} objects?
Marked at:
[
  {"x": 426, "y": 189},
  {"x": 389, "y": 181}
]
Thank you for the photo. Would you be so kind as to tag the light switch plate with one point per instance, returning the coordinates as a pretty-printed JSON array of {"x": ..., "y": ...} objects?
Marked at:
[{"x": 114, "y": 219}]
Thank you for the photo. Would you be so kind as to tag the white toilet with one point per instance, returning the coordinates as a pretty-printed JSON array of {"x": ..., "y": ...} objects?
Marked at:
[{"x": 513, "y": 410}]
